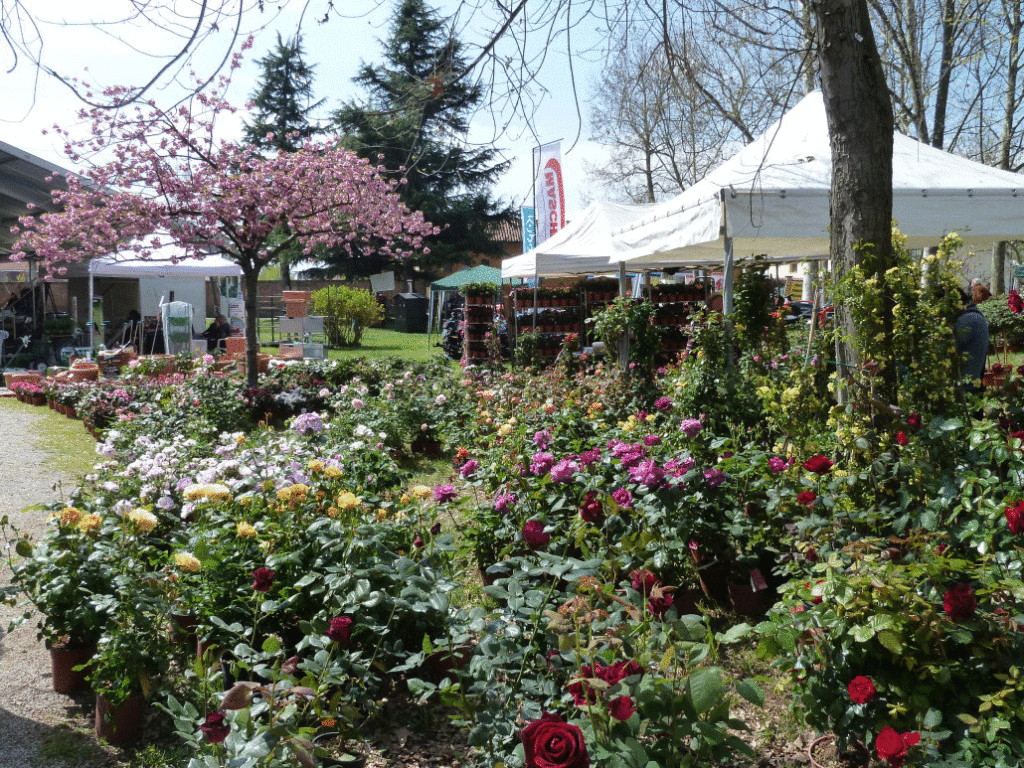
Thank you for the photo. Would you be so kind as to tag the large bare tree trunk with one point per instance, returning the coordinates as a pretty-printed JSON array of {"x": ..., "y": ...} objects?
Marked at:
[
  {"x": 860, "y": 123},
  {"x": 251, "y": 286}
]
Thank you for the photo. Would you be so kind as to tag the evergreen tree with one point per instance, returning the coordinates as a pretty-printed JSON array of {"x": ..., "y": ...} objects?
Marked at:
[
  {"x": 281, "y": 106},
  {"x": 413, "y": 123},
  {"x": 283, "y": 102}
]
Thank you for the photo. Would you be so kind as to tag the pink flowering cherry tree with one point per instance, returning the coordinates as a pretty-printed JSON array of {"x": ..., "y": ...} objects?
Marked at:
[{"x": 166, "y": 179}]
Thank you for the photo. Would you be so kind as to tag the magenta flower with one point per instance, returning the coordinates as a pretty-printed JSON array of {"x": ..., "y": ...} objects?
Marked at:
[
  {"x": 503, "y": 501},
  {"x": 467, "y": 469},
  {"x": 445, "y": 493},
  {"x": 691, "y": 427},
  {"x": 776, "y": 464},
  {"x": 622, "y": 497},
  {"x": 542, "y": 438},
  {"x": 714, "y": 477},
  {"x": 340, "y": 629},
  {"x": 591, "y": 509},
  {"x": 564, "y": 471},
  {"x": 534, "y": 535},
  {"x": 541, "y": 463},
  {"x": 644, "y": 581},
  {"x": 589, "y": 457},
  {"x": 663, "y": 404},
  {"x": 647, "y": 473},
  {"x": 650, "y": 440},
  {"x": 262, "y": 579}
]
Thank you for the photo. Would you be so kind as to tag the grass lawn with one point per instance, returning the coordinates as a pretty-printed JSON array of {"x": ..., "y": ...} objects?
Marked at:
[{"x": 379, "y": 342}]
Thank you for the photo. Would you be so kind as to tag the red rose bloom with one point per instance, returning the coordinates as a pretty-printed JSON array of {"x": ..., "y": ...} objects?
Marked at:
[
  {"x": 901, "y": 438},
  {"x": 914, "y": 421},
  {"x": 960, "y": 602},
  {"x": 214, "y": 728},
  {"x": 1015, "y": 518},
  {"x": 658, "y": 606},
  {"x": 591, "y": 509},
  {"x": 552, "y": 743},
  {"x": 262, "y": 579},
  {"x": 534, "y": 536},
  {"x": 806, "y": 498},
  {"x": 818, "y": 464},
  {"x": 1015, "y": 302},
  {"x": 340, "y": 629},
  {"x": 892, "y": 745},
  {"x": 861, "y": 690},
  {"x": 622, "y": 708},
  {"x": 644, "y": 581}
]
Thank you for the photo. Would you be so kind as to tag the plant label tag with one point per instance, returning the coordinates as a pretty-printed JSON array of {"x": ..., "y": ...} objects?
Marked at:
[{"x": 757, "y": 582}]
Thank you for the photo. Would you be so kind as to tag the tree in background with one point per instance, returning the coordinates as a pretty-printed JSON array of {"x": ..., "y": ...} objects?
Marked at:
[
  {"x": 281, "y": 109},
  {"x": 172, "y": 182},
  {"x": 414, "y": 122}
]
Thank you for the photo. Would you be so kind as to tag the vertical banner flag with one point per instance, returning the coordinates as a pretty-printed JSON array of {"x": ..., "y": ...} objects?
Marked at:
[
  {"x": 550, "y": 190},
  {"x": 529, "y": 228}
]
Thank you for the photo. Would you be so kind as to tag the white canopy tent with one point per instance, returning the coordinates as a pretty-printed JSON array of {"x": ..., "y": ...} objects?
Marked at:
[
  {"x": 583, "y": 246},
  {"x": 772, "y": 198},
  {"x": 158, "y": 278}
]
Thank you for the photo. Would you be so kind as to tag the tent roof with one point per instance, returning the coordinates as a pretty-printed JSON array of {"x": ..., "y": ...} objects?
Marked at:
[
  {"x": 772, "y": 198},
  {"x": 478, "y": 274},
  {"x": 23, "y": 183},
  {"x": 123, "y": 264},
  {"x": 583, "y": 246}
]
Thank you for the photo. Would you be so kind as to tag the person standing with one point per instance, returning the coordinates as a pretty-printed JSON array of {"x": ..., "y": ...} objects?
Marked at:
[{"x": 972, "y": 340}]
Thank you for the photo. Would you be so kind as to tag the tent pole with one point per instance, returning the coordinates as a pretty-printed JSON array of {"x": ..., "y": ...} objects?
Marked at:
[
  {"x": 624, "y": 339},
  {"x": 89, "y": 314}
]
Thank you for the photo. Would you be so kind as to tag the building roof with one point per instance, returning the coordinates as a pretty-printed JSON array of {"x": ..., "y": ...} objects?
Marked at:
[{"x": 24, "y": 180}]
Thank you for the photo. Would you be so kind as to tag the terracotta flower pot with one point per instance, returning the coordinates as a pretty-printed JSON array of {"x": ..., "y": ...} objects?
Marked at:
[
  {"x": 63, "y": 660},
  {"x": 122, "y": 725}
]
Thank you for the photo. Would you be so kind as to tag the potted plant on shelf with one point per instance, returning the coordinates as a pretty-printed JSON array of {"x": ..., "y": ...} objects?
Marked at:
[{"x": 480, "y": 293}]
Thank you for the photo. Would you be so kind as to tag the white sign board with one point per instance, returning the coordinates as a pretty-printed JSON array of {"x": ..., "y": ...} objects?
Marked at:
[{"x": 382, "y": 282}]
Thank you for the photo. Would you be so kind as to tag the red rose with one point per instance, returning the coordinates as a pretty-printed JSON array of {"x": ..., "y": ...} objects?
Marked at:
[
  {"x": 914, "y": 421},
  {"x": 960, "y": 602},
  {"x": 534, "y": 536},
  {"x": 214, "y": 728},
  {"x": 806, "y": 498},
  {"x": 262, "y": 579},
  {"x": 591, "y": 509},
  {"x": 1014, "y": 302},
  {"x": 658, "y": 606},
  {"x": 622, "y": 708},
  {"x": 818, "y": 464},
  {"x": 340, "y": 629},
  {"x": 892, "y": 745},
  {"x": 861, "y": 690},
  {"x": 552, "y": 743},
  {"x": 644, "y": 581},
  {"x": 901, "y": 438},
  {"x": 1015, "y": 517}
]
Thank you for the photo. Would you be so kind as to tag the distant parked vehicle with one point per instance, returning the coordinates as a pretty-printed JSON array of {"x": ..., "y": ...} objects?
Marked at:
[{"x": 798, "y": 310}]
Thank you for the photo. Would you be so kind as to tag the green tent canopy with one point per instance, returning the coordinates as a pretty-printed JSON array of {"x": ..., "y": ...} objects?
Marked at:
[{"x": 456, "y": 280}]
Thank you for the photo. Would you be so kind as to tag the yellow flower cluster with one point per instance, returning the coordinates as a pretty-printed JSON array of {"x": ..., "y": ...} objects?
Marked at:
[
  {"x": 69, "y": 516},
  {"x": 187, "y": 562},
  {"x": 145, "y": 521},
  {"x": 348, "y": 500},
  {"x": 207, "y": 492},
  {"x": 245, "y": 530},
  {"x": 293, "y": 494},
  {"x": 316, "y": 466},
  {"x": 422, "y": 491},
  {"x": 332, "y": 472},
  {"x": 89, "y": 522}
]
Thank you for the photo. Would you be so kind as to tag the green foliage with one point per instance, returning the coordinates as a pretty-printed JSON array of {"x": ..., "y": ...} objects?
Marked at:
[
  {"x": 347, "y": 312},
  {"x": 756, "y": 323},
  {"x": 1002, "y": 320}
]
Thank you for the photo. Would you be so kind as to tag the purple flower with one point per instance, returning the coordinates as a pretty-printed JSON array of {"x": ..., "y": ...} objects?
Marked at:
[
  {"x": 691, "y": 427},
  {"x": 589, "y": 457},
  {"x": 445, "y": 493},
  {"x": 650, "y": 440},
  {"x": 542, "y": 438},
  {"x": 541, "y": 463},
  {"x": 503, "y": 501},
  {"x": 663, "y": 403},
  {"x": 563, "y": 471},
  {"x": 630, "y": 454},
  {"x": 647, "y": 473},
  {"x": 714, "y": 476},
  {"x": 622, "y": 497},
  {"x": 678, "y": 468},
  {"x": 776, "y": 464},
  {"x": 467, "y": 469},
  {"x": 308, "y": 424}
]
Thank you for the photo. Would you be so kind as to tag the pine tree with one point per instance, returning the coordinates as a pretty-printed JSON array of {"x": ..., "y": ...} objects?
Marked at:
[
  {"x": 283, "y": 103},
  {"x": 414, "y": 123}
]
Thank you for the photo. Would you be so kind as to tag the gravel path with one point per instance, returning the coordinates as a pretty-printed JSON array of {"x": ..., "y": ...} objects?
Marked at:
[{"x": 37, "y": 726}]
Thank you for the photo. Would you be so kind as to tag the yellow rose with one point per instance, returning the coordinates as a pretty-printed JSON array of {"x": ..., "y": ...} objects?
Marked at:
[
  {"x": 89, "y": 522},
  {"x": 69, "y": 516},
  {"x": 145, "y": 521},
  {"x": 207, "y": 492},
  {"x": 348, "y": 500},
  {"x": 187, "y": 562},
  {"x": 315, "y": 466},
  {"x": 246, "y": 530},
  {"x": 332, "y": 472},
  {"x": 294, "y": 494},
  {"x": 422, "y": 491}
]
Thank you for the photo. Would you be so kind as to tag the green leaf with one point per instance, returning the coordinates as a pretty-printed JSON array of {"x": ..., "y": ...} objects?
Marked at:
[
  {"x": 862, "y": 443},
  {"x": 862, "y": 633},
  {"x": 891, "y": 641},
  {"x": 750, "y": 691},
  {"x": 23, "y": 548},
  {"x": 706, "y": 689},
  {"x": 932, "y": 718},
  {"x": 271, "y": 645}
]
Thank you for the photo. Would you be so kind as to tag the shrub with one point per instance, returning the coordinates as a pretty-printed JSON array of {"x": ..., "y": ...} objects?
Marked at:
[{"x": 347, "y": 311}]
